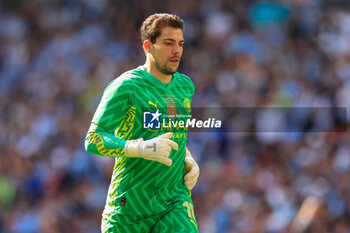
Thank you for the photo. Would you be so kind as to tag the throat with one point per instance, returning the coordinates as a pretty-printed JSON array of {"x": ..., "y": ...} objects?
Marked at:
[
  {"x": 163, "y": 78},
  {"x": 157, "y": 72}
]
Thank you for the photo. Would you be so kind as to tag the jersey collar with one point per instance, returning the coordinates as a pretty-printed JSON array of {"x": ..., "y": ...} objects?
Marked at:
[{"x": 156, "y": 81}]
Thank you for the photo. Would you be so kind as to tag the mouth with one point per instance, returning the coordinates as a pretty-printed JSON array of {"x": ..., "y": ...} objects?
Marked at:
[{"x": 174, "y": 60}]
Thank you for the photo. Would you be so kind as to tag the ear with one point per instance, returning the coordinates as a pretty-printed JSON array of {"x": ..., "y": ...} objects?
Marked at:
[{"x": 147, "y": 46}]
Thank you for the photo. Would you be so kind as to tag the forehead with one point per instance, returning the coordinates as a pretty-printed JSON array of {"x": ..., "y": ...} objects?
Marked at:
[{"x": 171, "y": 33}]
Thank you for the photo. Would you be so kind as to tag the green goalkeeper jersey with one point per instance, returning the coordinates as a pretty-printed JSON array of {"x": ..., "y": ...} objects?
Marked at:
[{"x": 138, "y": 105}]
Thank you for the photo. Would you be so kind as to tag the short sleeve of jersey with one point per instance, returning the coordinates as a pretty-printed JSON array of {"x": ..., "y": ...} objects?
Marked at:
[{"x": 189, "y": 82}]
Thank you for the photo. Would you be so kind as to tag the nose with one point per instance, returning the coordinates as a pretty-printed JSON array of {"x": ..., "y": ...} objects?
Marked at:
[{"x": 177, "y": 49}]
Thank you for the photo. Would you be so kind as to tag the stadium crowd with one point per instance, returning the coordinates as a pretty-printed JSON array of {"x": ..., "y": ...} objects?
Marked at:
[{"x": 56, "y": 57}]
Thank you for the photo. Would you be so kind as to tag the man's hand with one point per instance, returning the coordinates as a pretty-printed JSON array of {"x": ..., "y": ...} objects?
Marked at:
[
  {"x": 192, "y": 170},
  {"x": 156, "y": 149}
]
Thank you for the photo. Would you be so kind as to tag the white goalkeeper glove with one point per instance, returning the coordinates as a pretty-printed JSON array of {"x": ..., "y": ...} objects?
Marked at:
[
  {"x": 191, "y": 169},
  {"x": 156, "y": 149}
]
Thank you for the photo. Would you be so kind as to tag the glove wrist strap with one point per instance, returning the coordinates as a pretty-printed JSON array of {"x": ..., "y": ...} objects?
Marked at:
[{"x": 132, "y": 147}]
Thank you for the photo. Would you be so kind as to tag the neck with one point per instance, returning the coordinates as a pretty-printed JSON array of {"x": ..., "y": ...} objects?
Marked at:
[{"x": 152, "y": 69}]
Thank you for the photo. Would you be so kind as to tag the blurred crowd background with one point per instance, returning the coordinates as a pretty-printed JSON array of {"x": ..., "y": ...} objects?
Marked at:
[{"x": 56, "y": 57}]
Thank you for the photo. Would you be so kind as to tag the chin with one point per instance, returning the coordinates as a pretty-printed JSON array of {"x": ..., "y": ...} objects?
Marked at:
[{"x": 173, "y": 70}]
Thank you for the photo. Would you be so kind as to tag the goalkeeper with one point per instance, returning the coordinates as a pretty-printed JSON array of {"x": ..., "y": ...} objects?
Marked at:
[{"x": 154, "y": 171}]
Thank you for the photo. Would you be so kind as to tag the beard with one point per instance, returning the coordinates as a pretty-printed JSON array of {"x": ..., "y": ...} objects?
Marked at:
[{"x": 163, "y": 69}]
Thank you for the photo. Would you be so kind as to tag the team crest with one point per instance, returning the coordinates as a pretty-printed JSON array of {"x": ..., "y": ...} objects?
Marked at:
[
  {"x": 187, "y": 104},
  {"x": 172, "y": 111}
]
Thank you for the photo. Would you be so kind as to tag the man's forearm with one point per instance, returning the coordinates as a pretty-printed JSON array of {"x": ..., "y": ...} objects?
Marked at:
[{"x": 103, "y": 143}]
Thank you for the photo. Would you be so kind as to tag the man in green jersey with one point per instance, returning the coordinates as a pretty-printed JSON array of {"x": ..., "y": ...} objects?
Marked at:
[{"x": 154, "y": 171}]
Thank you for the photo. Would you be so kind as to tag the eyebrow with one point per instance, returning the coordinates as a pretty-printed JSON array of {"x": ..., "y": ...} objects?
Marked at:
[{"x": 173, "y": 40}]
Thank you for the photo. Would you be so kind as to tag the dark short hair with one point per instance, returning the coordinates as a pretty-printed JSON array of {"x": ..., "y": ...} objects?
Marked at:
[{"x": 151, "y": 27}]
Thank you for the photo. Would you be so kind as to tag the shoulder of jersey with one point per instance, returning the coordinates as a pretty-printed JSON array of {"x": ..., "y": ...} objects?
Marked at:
[
  {"x": 128, "y": 78},
  {"x": 185, "y": 81}
]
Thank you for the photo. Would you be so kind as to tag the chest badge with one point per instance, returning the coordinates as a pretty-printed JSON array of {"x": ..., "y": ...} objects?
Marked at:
[
  {"x": 172, "y": 111},
  {"x": 187, "y": 104}
]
